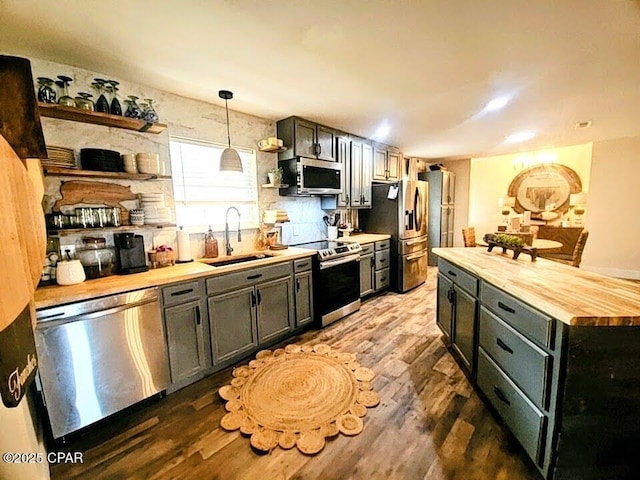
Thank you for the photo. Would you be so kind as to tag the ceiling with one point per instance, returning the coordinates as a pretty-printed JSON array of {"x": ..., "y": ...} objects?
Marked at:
[{"x": 426, "y": 68}]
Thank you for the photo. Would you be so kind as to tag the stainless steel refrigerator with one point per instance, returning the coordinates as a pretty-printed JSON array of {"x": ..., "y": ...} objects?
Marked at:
[{"x": 400, "y": 209}]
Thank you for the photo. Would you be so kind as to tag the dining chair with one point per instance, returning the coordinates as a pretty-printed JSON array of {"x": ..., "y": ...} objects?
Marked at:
[
  {"x": 469, "y": 236},
  {"x": 576, "y": 256}
]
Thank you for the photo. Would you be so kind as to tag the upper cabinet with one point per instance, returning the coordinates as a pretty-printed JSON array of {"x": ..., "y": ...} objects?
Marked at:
[
  {"x": 386, "y": 163},
  {"x": 303, "y": 138},
  {"x": 343, "y": 156},
  {"x": 361, "y": 167}
]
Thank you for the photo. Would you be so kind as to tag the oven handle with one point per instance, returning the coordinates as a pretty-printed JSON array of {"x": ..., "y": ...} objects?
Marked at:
[{"x": 339, "y": 261}]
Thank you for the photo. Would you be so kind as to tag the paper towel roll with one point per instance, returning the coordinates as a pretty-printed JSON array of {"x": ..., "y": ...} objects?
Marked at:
[{"x": 184, "y": 246}]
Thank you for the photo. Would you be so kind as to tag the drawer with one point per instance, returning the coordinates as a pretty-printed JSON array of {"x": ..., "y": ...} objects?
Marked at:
[
  {"x": 459, "y": 276},
  {"x": 245, "y": 278},
  {"x": 367, "y": 248},
  {"x": 524, "y": 420},
  {"x": 382, "y": 278},
  {"x": 382, "y": 259},
  {"x": 534, "y": 324},
  {"x": 181, "y": 293},
  {"x": 525, "y": 363},
  {"x": 302, "y": 265},
  {"x": 383, "y": 244}
]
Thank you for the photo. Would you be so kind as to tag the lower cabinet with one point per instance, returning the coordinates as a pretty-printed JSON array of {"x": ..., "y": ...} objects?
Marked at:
[
  {"x": 249, "y": 309},
  {"x": 303, "y": 292},
  {"x": 382, "y": 270},
  {"x": 187, "y": 333},
  {"x": 367, "y": 272},
  {"x": 456, "y": 311}
]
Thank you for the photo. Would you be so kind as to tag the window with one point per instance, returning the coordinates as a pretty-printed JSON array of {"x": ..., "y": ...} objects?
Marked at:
[{"x": 202, "y": 193}]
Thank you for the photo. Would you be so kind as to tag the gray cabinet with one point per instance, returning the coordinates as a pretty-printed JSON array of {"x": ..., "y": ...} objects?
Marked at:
[
  {"x": 441, "y": 210},
  {"x": 367, "y": 272},
  {"x": 382, "y": 258},
  {"x": 457, "y": 306},
  {"x": 386, "y": 163},
  {"x": 248, "y": 309},
  {"x": 188, "y": 346},
  {"x": 303, "y": 138},
  {"x": 303, "y": 292},
  {"x": 361, "y": 169},
  {"x": 343, "y": 156}
]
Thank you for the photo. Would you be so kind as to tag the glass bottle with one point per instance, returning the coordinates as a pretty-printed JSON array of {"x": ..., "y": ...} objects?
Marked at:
[
  {"x": 210, "y": 244},
  {"x": 102, "y": 105},
  {"x": 46, "y": 92},
  {"x": 115, "y": 108},
  {"x": 133, "y": 110},
  {"x": 65, "y": 99}
]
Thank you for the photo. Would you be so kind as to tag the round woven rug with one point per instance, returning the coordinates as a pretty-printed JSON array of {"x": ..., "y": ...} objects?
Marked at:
[{"x": 298, "y": 396}]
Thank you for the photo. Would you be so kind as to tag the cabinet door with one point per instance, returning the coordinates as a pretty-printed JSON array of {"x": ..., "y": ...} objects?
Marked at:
[
  {"x": 305, "y": 138},
  {"x": 185, "y": 342},
  {"x": 356, "y": 173},
  {"x": 464, "y": 325},
  {"x": 366, "y": 274},
  {"x": 379, "y": 164},
  {"x": 233, "y": 325},
  {"x": 367, "y": 169},
  {"x": 443, "y": 305},
  {"x": 325, "y": 139},
  {"x": 304, "y": 299},
  {"x": 393, "y": 166},
  {"x": 448, "y": 187},
  {"x": 343, "y": 156},
  {"x": 274, "y": 305}
]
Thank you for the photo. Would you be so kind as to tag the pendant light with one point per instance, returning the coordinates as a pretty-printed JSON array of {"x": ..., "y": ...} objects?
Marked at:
[{"x": 229, "y": 160}]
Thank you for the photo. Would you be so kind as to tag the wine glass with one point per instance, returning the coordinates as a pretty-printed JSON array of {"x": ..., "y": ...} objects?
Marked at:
[
  {"x": 102, "y": 105},
  {"x": 133, "y": 110},
  {"x": 46, "y": 93},
  {"x": 149, "y": 114},
  {"x": 63, "y": 82},
  {"x": 115, "y": 107},
  {"x": 84, "y": 102}
]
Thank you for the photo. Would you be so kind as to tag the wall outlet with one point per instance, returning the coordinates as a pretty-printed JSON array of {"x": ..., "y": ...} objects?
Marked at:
[{"x": 63, "y": 251}]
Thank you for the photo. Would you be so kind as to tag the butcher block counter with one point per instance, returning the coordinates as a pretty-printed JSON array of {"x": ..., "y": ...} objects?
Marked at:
[
  {"x": 554, "y": 351},
  {"x": 571, "y": 295},
  {"x": 58, "y": 295}
]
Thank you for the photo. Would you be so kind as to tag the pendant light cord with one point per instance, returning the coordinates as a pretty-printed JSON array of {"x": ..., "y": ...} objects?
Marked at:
[{"x": 228, "y": 134}]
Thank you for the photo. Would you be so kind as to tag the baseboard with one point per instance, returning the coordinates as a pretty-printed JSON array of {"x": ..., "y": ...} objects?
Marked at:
[{"x": 613, "y": 272}]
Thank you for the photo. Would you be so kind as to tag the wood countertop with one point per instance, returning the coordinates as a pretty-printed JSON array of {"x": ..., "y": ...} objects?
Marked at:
[
  {"x": 53, "y": 295},
  {"x": 572, "y": 295},
  {"x": 363, "y": 238}
]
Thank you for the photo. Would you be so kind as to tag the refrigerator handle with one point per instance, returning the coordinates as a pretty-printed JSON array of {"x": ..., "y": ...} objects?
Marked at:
[{"x": 417, "y": 207}]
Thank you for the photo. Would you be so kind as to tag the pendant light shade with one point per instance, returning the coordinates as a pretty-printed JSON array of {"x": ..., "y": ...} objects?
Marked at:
[{"x": 229, "y": 160}]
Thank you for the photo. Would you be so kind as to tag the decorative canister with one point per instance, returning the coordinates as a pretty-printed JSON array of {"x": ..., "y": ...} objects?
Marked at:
[{"x": 136, "y": 216}]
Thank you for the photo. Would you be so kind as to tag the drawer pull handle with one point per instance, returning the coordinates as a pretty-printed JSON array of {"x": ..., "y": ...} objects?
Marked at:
[
  {"x": 452, "y": 273},
  {"x": 253, "y": 299},
  {"x": 383, "y": 279},
  {"x": 503, "y": 398},
  {"x": 303, "y": 264},
  {"x": 504, "y": 346},
  {"x": 297, "y": 285},
  {"x": 181, "y": 292},
  {"x": 506, "y": 308},
  {"x": 253, "y": 277},
  {"x": 259, "y": 297},
  {"x": 198, "y": 315}
]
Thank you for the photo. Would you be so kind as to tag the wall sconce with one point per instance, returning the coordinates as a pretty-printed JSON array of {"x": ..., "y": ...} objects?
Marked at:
[
  {"x": 577, "y": 203},
  {"x": 506, "y": 204}
]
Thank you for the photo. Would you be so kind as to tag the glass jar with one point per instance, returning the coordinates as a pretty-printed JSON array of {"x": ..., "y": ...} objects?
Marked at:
[{"x": 97, "y": 259}]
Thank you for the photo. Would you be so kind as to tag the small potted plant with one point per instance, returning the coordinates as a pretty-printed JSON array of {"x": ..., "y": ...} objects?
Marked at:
[{"x": 275, "y": 176}]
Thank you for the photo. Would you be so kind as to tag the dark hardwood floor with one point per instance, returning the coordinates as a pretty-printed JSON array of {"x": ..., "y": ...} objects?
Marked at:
[{"x": 430, "y": 423}]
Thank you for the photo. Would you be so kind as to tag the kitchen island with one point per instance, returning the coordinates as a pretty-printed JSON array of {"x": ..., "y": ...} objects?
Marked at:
[{"x": 554, "y": 350}]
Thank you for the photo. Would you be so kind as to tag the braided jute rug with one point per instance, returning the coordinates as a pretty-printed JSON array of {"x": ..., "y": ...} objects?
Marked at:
[{"x": 298, "y": 396}]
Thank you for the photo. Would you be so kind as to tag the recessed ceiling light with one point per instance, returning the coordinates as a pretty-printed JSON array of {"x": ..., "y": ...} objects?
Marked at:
[
  {"x": 496, "y": 104},
  {"x": 585, "y": 124},
  {"x": 382, "y": 131},
  {"x": 520, "y": 137}
]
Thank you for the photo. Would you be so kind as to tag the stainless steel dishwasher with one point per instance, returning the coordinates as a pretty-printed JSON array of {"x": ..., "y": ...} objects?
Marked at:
[{"x": 100, "y": 356}]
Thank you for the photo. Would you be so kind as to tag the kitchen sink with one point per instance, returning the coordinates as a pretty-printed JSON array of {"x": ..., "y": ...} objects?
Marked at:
[{"x": 221, "y": 262}]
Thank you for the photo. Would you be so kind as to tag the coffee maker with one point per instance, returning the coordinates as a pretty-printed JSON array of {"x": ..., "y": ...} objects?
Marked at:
[{"x": 130, "y": 256}]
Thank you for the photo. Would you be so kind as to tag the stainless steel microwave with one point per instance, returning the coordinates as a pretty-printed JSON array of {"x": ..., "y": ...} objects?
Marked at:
[{"x": 308, "y": 176}]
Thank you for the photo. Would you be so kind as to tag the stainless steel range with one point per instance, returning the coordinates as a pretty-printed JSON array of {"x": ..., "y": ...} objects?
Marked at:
[{"x": 336, "y": 282}]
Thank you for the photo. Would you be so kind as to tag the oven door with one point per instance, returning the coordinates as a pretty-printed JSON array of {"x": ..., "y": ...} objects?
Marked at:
[{"x": 338, "y": 288}]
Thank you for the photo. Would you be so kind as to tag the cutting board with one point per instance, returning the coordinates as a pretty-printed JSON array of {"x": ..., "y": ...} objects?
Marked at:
[
  {"x": 93, "y": 193},
  {"x": 23, "y": 236}
]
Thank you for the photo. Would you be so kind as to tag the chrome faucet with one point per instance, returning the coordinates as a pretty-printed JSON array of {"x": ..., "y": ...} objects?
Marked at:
[{"x": 226, "y": 230}]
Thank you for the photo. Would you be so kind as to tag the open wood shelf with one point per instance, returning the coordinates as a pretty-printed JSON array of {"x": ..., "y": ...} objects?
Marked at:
[
  {"x": 272, "y": 149},
  {"x": 53, "y": 110},
  {"x": 124, "y": 228},
  {"x": 271, "y": 185},
  {"x": 71, "y": 172}
]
